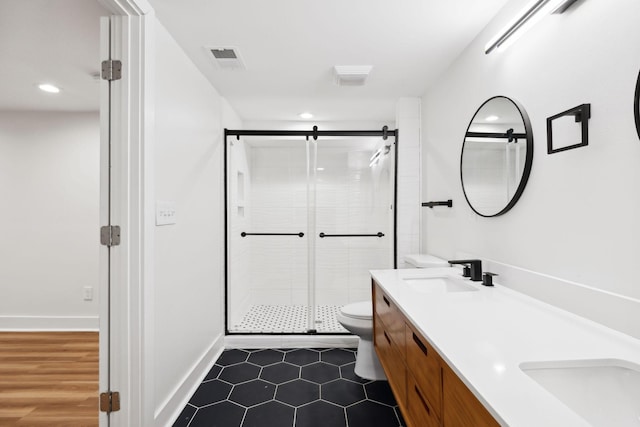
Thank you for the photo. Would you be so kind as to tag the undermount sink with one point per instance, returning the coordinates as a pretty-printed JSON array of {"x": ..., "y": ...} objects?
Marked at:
[
  {"x": 605, "y": 392},
  {"x": 438, "y": 284}
]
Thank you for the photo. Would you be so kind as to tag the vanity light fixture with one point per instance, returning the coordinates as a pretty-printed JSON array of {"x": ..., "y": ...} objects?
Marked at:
[
  {"x": 46, "y": 87},
  {"x": 306, "y": 115},
  {"x": 530, "y": 15}
]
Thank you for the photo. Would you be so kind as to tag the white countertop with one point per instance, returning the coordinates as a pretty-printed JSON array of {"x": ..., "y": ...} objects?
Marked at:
[{"x": 484, "y": 336}]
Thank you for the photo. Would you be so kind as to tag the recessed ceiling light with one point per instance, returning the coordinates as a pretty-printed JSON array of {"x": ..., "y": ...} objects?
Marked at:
[
  {"x": 320, "y": 169},
  {"x": 46, "y": 87},
  {"x": 305, "y": 115},
  {"x": 491, "y": 118}
]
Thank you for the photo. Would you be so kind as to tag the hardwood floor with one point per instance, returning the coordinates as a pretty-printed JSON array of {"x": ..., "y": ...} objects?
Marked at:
[{"x": 49, "y": 379}]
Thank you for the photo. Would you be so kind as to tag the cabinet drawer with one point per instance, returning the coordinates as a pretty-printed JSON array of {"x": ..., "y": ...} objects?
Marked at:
[
  {"x": 419, "y": 409},
  {"x": 391, "y": 317},
  {"x": 426, "y": 368},
  {"x": 391, "y": 360}
]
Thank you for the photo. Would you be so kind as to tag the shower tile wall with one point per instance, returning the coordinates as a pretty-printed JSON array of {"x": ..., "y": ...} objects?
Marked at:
[
  {"x": 278, "y": 192},
  {"x": 239, "y": 199},
  {"x": 408, "y": 121}
]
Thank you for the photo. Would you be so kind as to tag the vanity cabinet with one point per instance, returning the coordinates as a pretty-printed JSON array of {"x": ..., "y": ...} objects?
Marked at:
[{"x": 428, "y": 392}]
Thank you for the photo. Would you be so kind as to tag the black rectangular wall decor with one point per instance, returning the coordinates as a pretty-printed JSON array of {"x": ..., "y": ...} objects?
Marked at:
[{"x": 569, "y": 129}]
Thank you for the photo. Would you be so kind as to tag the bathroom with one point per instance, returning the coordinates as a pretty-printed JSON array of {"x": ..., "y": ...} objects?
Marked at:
[
  {"x": 571, "y": 240},
  {"x": 561, "y": 242}
]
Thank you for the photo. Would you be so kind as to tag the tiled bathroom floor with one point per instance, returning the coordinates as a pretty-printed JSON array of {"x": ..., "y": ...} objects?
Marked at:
[
  {"x": 288, "y": 318},
  {"x": 287, "y": 388}
]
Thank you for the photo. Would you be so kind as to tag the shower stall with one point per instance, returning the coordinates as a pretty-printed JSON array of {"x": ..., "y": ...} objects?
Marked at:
[{"x": 308, "y": 214}]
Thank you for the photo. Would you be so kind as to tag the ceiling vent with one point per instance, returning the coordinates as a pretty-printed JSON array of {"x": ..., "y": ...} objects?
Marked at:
[
  {"x": 227, "y": 58},
  {"x": 351, "y": 75}
]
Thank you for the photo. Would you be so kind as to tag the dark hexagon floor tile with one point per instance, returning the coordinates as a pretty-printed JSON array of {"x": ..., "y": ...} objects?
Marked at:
[
  {"x": 280, "y": 373},
  {"x": 320, "y": 414},
  {"x": 240, "y": 373},
  {"x": 343, "y": 392},
  {"x": 185, "y": 416},
  {"x": 265, "y": 357},
  {"x": 320, "y": 372},
  {"x": 230, "y": 357},
  {"x": 298, "y": 392},
  {"x": 370, "y": 414},
  {"x": 338, "y": 356},
  {"x": 347, "y": 373},
  {"x": 252, "y": 393},
  {"x": 223, "y": 414},
  {"x": 210, "y": 392},
  {"x": 399, "y": 415},
  {"x": 380, "y": 392},
  {"x": 270, "y": 413},
  {"x": 213, "y": 373},
  {"x": 302, "y": 356}
]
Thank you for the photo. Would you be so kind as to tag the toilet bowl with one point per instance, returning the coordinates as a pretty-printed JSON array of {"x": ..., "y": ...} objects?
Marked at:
[{"x": 357, "y": 318}]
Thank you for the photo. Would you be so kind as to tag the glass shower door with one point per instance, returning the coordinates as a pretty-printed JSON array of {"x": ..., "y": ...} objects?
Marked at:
[
  {"x": 354, "y": 232},
  {"x": 267, "y": 279},
  {"x": 306, "y": 221}
]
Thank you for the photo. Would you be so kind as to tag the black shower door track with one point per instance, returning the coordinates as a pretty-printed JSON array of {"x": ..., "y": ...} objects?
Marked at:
[{"x": 385, "y": 132}]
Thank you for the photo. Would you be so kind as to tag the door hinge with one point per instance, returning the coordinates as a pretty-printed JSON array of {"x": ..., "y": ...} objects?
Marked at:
[
  {"x": 111, "y": 69},
  {"x": 109, "y": 402},
  {"x": 110, "y": 235}
]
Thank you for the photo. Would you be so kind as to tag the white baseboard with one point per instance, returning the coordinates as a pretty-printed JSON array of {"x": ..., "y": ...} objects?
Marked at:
[
  {"x": 49, "y": 323},
  {"x": 290, "y": 341},
  {"x": 170, "y": 409}
]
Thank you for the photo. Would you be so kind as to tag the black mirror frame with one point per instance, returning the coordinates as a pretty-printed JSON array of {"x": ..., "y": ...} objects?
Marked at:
[
  {"x": 636, "y": 106},
  {"x": 528, "y": 161}
]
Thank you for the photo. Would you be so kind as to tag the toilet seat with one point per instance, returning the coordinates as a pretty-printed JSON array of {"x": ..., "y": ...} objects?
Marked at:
[{"x": 358, "y": 310}]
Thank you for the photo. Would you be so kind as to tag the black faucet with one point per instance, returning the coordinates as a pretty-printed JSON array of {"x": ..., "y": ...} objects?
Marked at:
[{"x": 476, "y": 267}]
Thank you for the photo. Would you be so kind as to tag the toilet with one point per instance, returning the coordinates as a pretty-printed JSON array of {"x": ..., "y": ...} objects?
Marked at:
[{"x": 357, "y": 318}]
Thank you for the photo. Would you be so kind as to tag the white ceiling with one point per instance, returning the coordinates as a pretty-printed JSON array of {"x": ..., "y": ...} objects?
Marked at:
[
  {"x": 290, "y": 47},
  {"x": 52, "y": 41}
]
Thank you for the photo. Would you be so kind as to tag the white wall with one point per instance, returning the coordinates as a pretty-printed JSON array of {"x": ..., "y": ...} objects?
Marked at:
[
  {"x": 409, "y": 173},
  {"x": 577, "y": 220},
  {"x": 49, "y": 187},
  {"x": 190, "y": 117}
]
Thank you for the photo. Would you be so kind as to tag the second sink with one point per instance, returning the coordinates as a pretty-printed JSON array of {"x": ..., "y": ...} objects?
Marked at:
[{"x": 604, "y": 392}]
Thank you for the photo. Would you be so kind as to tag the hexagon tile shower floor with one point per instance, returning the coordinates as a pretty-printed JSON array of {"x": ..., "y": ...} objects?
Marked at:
[{"x": 289, "y": 387}]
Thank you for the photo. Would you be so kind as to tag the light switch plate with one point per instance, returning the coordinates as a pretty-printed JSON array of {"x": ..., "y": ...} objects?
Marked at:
[{"x": 165, "y": 213}]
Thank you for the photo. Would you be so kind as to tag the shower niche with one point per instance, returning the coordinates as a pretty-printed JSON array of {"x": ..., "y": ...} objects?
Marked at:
[{"x": 307, "y": 218}]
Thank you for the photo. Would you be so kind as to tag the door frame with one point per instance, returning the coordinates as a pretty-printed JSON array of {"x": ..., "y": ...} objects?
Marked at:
[{"x": 126, "y": 310}]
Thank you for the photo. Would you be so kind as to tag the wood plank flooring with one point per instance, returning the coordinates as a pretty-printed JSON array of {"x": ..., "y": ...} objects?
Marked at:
[{"x": 49, "y": 379}]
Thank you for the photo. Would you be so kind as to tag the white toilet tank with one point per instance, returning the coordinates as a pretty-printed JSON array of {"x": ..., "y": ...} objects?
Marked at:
[{"x": 425, "y": 261}]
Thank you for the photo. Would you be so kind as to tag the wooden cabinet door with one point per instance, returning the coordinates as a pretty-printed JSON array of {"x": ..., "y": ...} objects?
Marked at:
[{"x": 461, "y": 408}]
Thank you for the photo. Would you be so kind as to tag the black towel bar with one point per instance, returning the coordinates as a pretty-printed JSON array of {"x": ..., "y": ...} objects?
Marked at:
[
  {"x": 447, "y": 203},
  {"x": 378, "y": 234},
  {"x": 243, "y": 234}
]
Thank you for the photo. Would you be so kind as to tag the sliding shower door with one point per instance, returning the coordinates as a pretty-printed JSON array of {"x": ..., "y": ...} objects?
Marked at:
[
  {"x": 354, "y": 222},
  {"x": 267, "y": 274},
  {"x": 306, "y": 221}
]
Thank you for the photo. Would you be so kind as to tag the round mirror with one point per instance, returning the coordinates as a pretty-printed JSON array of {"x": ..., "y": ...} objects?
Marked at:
[
  {"x": 636, "y": 106},
  {"x": 496, "y": 156}
]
